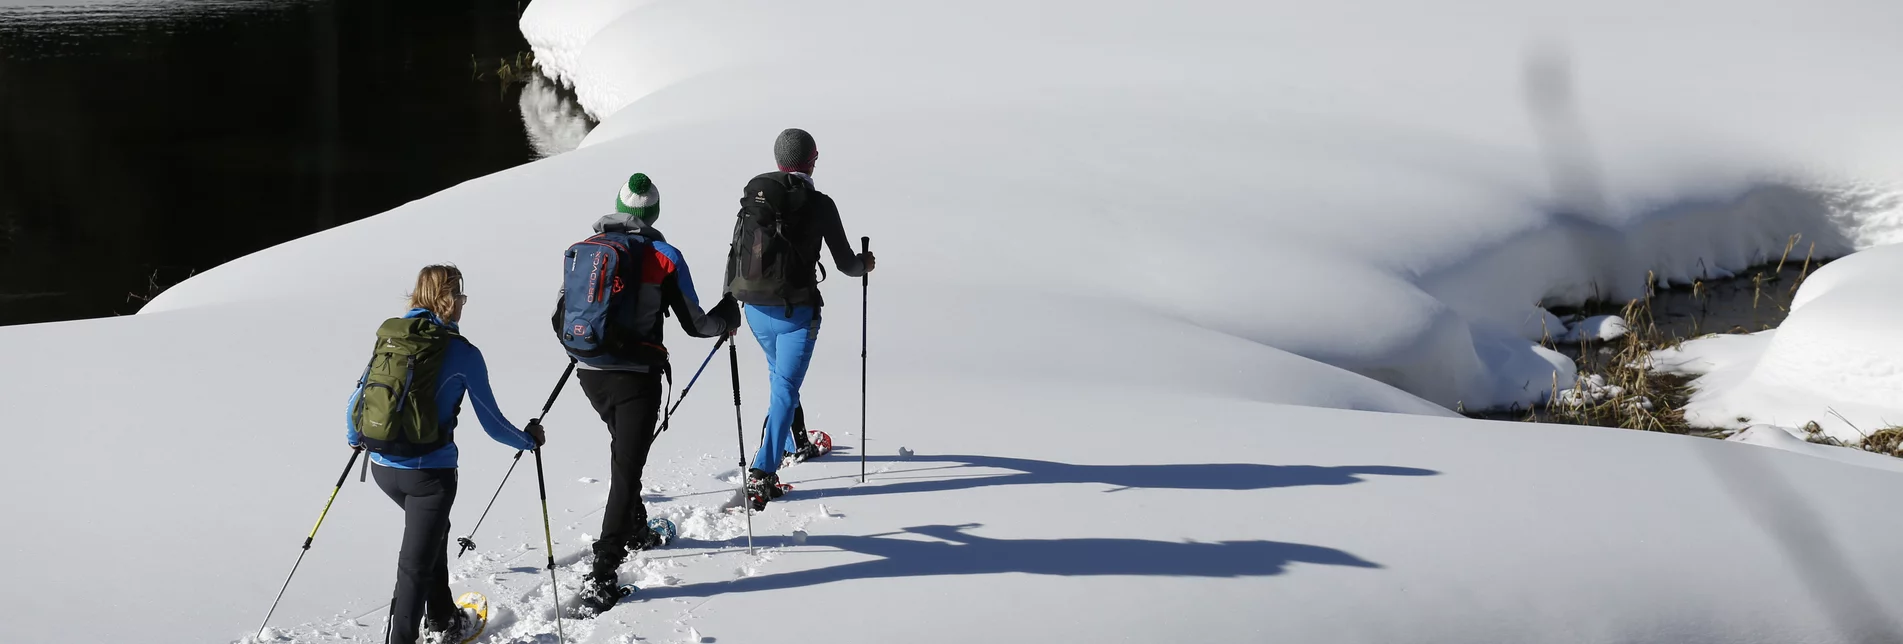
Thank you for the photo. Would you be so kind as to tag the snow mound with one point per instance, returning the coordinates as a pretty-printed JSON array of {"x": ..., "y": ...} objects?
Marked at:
[
  {"x": 557, "y": 31},
  {"x": 1792, "y": 440},
  {"x": 1838, "y": 351},
  {"x": 1599, "y": 328}
]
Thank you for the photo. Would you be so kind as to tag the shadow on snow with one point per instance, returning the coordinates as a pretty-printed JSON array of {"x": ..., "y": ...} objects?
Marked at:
[
  {"x": 957, "y": 552},
  {"x": 953, "y": 550}
]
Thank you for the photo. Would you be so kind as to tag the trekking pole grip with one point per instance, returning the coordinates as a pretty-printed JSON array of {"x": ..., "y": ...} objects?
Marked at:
[
  {"x": 558, "y": 389},
  {"x": 733, "y": 362},
  {"x": 355, "y": 451}
]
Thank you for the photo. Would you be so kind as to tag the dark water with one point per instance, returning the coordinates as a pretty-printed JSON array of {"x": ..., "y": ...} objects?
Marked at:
[{"x": 143, "y": 141}]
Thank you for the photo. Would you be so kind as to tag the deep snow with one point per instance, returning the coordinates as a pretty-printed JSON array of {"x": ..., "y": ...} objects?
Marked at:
[{"x": 1153, "y": 282}]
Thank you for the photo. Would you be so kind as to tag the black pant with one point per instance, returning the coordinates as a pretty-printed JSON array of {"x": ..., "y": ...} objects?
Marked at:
[
  {"x": 630, "y": 403},
  {"x": 422, "y": 569}
]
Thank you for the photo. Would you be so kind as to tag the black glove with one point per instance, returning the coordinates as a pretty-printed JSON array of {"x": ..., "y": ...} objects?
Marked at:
[
  {"x": 728, "y": 311},
  {"x": 534, "y": 430}
]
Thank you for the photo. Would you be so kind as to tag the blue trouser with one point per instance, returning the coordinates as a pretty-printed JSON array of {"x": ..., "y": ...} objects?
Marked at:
[{"x": 787, "y": 336}]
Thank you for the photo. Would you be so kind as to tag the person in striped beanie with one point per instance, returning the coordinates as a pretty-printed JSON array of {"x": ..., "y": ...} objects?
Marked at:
[{"x": 625, "y": 390}]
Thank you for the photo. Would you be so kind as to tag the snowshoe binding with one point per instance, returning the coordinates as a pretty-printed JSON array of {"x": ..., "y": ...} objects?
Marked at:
[
  {"x": 599, "y": 594},
  {"x": 472, "y": 614},
  {"x": 762, "y": 487},
  {"x": 819, "y": 444},
  {"x": 660, "y": 533}
]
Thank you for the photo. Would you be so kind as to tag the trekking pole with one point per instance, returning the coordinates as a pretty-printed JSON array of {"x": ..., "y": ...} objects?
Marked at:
[
  {"x": 465, "y": 544},
  {"x": 690, "y": 386},
  {"x": 548, "y": 541},
  {"x": 740, "y": 432},
  {"x": 354, "y": 453},
  {"x": 865, "y": 291}
]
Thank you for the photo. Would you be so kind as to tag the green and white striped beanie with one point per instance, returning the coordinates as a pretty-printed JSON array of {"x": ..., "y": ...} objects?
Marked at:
[{"x": 639, "y": 197}]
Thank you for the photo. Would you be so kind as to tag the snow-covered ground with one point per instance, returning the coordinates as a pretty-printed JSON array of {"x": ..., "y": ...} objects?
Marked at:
[
  {"x": 1173, "y": 301},
  {"x": 1841, "y": 350}
]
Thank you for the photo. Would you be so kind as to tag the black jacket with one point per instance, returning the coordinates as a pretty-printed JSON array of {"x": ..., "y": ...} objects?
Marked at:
[{"x": 820, "y": 223}]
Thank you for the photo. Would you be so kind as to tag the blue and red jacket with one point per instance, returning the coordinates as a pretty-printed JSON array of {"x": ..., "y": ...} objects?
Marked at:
[{"x": 663, "y": 283}]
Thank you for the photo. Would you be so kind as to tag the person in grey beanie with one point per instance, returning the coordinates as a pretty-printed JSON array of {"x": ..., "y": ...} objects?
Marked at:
[{"x": 784, "y": 310}]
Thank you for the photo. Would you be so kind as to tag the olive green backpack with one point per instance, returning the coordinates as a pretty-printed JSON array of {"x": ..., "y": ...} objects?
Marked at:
[{"x": 396, "y": 407}]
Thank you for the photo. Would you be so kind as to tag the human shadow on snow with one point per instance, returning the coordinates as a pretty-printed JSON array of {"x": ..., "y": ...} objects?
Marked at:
[
  {"x": 957, "y": 552},
  {"x": 1186, "y": 476}
]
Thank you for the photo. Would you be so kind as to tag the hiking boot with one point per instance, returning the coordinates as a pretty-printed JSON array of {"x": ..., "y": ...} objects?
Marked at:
[
  {"x": 600, "y": 593},
  {"x": 460, "y": 628},
  {"x": 762, "y": 486},
  {"x": 646, "y": 539},
  {"x": 808, "y": 446},
  {"x": 804, "y": 453},
  {"x": 767, "y": 483},
  {"x": 608, "y": 557}
]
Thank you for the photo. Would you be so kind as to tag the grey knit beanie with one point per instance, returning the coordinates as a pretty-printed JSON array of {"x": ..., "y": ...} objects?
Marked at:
[{"x": 795, "y": 151}]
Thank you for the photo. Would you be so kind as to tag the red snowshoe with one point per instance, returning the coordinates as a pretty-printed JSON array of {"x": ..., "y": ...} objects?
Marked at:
[{"x": 814, "y": 445}]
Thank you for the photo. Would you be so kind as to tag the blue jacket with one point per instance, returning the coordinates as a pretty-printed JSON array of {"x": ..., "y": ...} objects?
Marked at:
[{"x": 463, "y": 370}]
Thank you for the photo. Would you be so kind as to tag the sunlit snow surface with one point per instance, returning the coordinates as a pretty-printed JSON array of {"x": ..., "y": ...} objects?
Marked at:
[{"x": 1145, "y": 269}]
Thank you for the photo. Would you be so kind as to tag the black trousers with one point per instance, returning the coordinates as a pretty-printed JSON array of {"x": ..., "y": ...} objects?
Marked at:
[
  {"x": 630, "y": 403},
  {"x": 422, "y": 568}
]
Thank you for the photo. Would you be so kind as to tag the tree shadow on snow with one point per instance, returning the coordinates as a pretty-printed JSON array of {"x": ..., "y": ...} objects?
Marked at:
[
  {"x": 957, "y": 552},
  {"x": 1197, "y": 476}
]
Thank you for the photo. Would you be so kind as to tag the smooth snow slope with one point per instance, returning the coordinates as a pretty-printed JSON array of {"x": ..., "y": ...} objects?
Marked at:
[
  {"x": 1058, "y": 510},
  {"x": 1127, "y": 254}
]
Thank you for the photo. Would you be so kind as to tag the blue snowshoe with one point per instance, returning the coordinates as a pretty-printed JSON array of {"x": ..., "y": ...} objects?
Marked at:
[{"x": 660, "y": 533}]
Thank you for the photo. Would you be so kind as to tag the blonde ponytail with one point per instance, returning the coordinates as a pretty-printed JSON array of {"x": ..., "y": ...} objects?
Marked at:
[{"x": 437, "y": 288}]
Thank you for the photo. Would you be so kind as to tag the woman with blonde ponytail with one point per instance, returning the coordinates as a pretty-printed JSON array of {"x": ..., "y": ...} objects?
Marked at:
[
  {"x": 415, "y": 382},
  {"x": 439, "y": 288}
]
